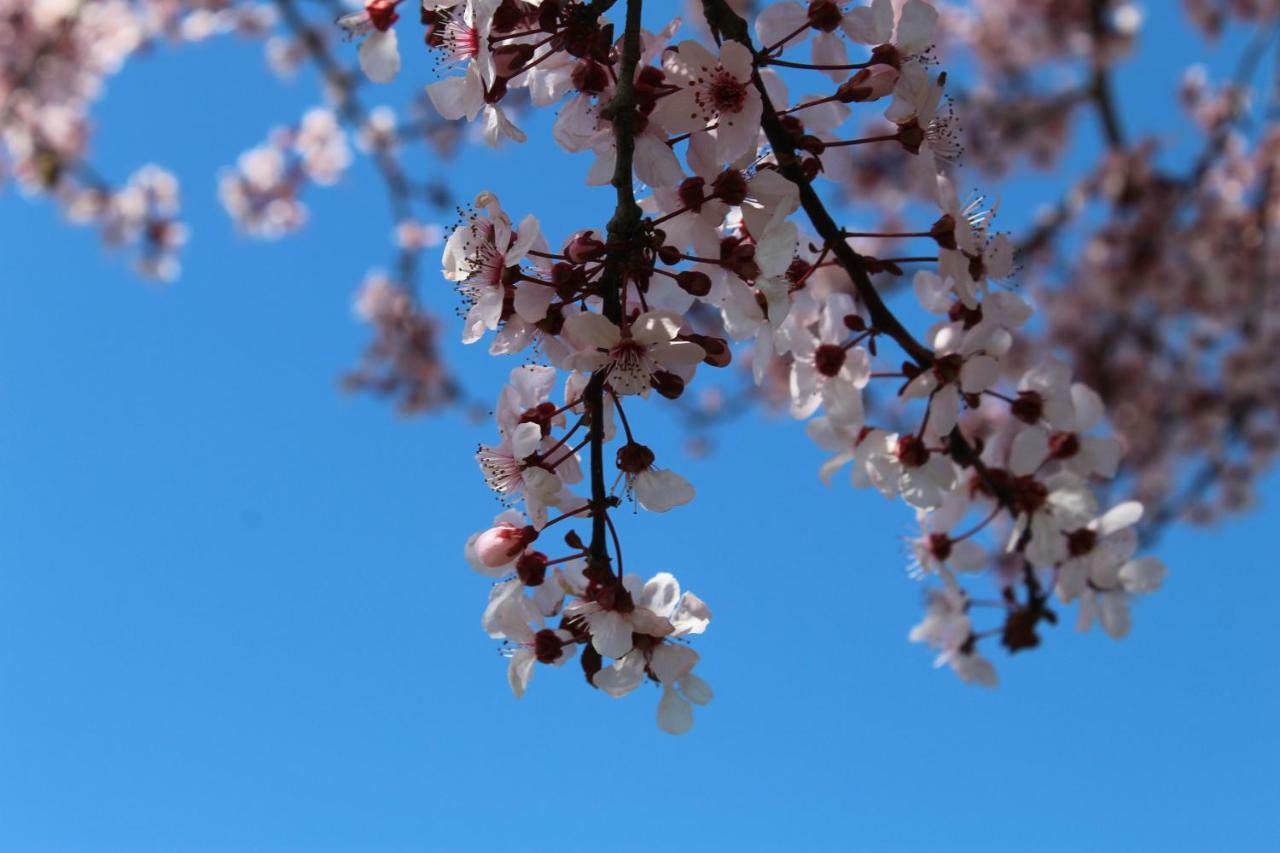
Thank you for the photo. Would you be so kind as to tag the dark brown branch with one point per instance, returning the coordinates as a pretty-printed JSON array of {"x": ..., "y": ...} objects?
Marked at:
[
  {"x": 724, "y": 22},
  {"x": 622, "y": 230}
]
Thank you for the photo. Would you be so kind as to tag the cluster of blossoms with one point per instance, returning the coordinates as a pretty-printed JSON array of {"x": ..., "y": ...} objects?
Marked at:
[
  {"x": 1178, "y": 259},
  {"x": 402, "y": 361},
  {"x": 734, "y": 252},
  {"x": 733, "y": 249},
  {"x": 263, "y": 193},
  {"x": 55, "y": 58}
]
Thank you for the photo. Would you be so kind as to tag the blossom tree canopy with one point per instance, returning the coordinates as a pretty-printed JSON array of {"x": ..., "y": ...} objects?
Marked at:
[{"x": 787, "y": 221}]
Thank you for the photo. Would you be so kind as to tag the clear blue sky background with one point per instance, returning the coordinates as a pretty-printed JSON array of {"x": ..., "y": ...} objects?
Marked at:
[{"x": 234, "y": 613}]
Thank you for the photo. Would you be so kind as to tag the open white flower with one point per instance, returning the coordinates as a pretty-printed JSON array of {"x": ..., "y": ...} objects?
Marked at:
[
  {"x": 478, "y": 254},
  {"x": 713, "y": 91},
  {"x": 509, "y": 615},
  {"x": 623, "y": 609},
  {"x": 632, "y": 356}
]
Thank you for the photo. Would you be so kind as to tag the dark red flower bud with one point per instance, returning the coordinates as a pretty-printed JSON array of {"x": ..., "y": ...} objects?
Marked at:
[
  {"x": 717, "y": 350},
  {"x": 531, "y": 568},
  {"x": 694, "y": 282},
  {"x": 584, "y": 247},
  {"x": 667, "y": 384}
]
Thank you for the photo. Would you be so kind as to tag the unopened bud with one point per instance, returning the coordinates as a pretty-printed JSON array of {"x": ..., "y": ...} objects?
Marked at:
[
  {"x": 667, "y": 384},
  {"x": 531, "y": 568},
  {"x": 584, "y": 247},
  {"x": 499, "y": 545},
  {"x": 717, "y": 350},
  {"x": 694, "y": 282}
]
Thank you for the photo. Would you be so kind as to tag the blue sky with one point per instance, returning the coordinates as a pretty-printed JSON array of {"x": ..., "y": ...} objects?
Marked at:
[{"x": 234, "y": 613}]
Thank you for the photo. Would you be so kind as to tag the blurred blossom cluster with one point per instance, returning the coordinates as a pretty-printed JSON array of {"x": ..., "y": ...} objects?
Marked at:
[
  {"x": 55, "y": 58},
  {"x": 263, "y": 194}
]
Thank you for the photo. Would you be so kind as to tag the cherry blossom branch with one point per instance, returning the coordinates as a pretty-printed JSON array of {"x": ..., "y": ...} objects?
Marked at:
[
  {"x": 622, "y": 228},
  {"x": 723, "y": 21}
]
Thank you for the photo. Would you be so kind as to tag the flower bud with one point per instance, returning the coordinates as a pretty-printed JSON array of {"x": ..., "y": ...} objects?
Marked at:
[
  {"x": 531, "y": 568},
  {"x": 669, "y": 255},
  {"x": 667, "y": 384},
  {"x": 499, "y": 545},
  {"x": 717, "y": 350},
  {"x": 584, "y": 247},
  {"x": 694, "y": 282}
]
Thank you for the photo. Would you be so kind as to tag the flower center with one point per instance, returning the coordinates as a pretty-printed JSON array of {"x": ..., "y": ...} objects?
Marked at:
[
  {"x": 502, "y": 472},
  {"x": 828, "y": 359},
  {"x": 630, "y": 368},
  {"x": 547, "y": 646},
  {"x": 1081, "y": 542},
  {"x": 460, "y": 41},
  {"x": 726, "y": 93}
]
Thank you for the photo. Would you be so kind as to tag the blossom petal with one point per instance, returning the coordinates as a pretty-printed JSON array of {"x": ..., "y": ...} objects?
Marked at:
[
  {"x": 660, "y": 491},
  {"x": 380, "y": 56},
  {"x": 675, "y": 714}
]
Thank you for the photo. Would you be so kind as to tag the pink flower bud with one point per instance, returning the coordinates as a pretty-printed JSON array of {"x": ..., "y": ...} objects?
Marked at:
[{"x": 499, "y": 545}]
